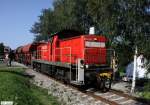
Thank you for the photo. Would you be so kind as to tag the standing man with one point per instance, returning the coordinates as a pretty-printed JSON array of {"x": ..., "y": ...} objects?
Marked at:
[
  {"x": 11, "y": 57},
  {"x": 141, "y": 69}
]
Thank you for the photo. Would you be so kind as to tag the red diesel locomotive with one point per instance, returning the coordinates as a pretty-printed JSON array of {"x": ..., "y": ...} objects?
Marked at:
[{"x": 72, "y": 57}]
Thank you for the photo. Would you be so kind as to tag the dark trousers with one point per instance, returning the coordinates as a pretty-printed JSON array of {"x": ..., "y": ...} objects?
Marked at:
[{"x": 10, "y": 62}]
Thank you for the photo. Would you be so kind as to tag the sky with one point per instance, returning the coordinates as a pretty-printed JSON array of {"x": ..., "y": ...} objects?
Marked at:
[{"x": 17, "y": 18}]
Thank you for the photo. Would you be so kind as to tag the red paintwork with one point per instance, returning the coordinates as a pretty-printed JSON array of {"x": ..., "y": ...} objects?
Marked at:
[
  {"x": 73, "y": 47},
  {"x": 43, "y": 51},
  {"x": 70, "y": 49},
  {"x": 92, "y": 55},
  {"x": 26, "y": 48},
  {"x": 25, "y": 54},
  {"x": 66, "y": 50},
  {"x": 95, "y": 55}
]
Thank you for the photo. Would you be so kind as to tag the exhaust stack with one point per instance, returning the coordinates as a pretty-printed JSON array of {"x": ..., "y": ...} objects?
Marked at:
[{"x": 92, "y": 30}]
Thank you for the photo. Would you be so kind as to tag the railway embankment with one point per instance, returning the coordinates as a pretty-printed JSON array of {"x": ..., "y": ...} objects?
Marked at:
[
  {"x": 67, "y": 95},
  {"x": 16, "y": 89}
]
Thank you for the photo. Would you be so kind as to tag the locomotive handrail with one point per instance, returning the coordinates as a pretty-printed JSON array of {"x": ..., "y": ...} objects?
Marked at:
[{"x": 61, "y": 48}]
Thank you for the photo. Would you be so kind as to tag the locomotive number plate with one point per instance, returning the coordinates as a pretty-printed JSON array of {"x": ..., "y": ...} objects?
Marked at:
[{"x": 94, "y": 44}]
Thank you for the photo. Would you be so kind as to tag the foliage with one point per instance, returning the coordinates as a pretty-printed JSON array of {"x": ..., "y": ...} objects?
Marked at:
[
  {"x": 125, "y": 22},
  {"x": 146, "y": 92}
]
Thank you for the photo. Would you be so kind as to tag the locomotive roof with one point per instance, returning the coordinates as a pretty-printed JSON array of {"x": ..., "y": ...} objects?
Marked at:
[
  {"x": 18, "y": 50},
  {"x": 67, "y": 33},
  {"x": 26, "y": 48}
]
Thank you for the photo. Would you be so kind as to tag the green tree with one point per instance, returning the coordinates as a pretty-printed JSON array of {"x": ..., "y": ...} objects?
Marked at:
[
  {"x": 1, "y": 50},
  {"x": 125, "y": 22}
]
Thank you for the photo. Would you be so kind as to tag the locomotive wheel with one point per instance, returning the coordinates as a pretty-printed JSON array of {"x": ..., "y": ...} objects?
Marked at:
[
  {"x": 104, "y": 83},
  {"x": 107, "y": 83},
  {"x": 100, "y": 83}
]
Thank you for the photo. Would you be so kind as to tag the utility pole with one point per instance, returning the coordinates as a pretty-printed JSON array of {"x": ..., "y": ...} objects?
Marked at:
[{"x": 134, "y": 71}]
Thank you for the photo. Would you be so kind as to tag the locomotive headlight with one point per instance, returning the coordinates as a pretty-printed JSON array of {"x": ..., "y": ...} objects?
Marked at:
[
  {"x": 95, "y": 39},
  {"x": 87, "y": 66}
]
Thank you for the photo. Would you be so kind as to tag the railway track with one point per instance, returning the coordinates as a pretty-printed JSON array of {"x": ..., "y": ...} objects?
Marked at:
[{"x": 112, "y": 97}]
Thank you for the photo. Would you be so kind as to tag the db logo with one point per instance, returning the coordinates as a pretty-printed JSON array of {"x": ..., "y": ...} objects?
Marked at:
[{"x": 6, "y": 103}]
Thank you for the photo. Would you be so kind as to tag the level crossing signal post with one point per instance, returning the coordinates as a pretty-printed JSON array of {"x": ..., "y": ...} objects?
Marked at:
[{"x": 134, "y": 71}]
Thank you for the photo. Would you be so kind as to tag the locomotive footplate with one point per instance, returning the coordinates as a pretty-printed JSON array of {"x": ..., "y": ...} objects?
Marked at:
[{"x": 77, "y": 83}]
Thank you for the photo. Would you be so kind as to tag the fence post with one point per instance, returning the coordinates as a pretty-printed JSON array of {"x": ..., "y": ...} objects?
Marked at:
[{"x": 134, "y": 71}]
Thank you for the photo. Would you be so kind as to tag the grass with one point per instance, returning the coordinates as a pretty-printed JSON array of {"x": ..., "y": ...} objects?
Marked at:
[
  {"x": 146, "y": 93},
  {"x": 17, "y": 88}
]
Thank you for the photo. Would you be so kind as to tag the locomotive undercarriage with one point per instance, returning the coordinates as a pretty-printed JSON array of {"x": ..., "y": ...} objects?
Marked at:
[{"x": 100, "y": 78}]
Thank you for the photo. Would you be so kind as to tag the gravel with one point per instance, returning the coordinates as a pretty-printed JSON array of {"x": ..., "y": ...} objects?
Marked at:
[{"x": 65, "y": 94}]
